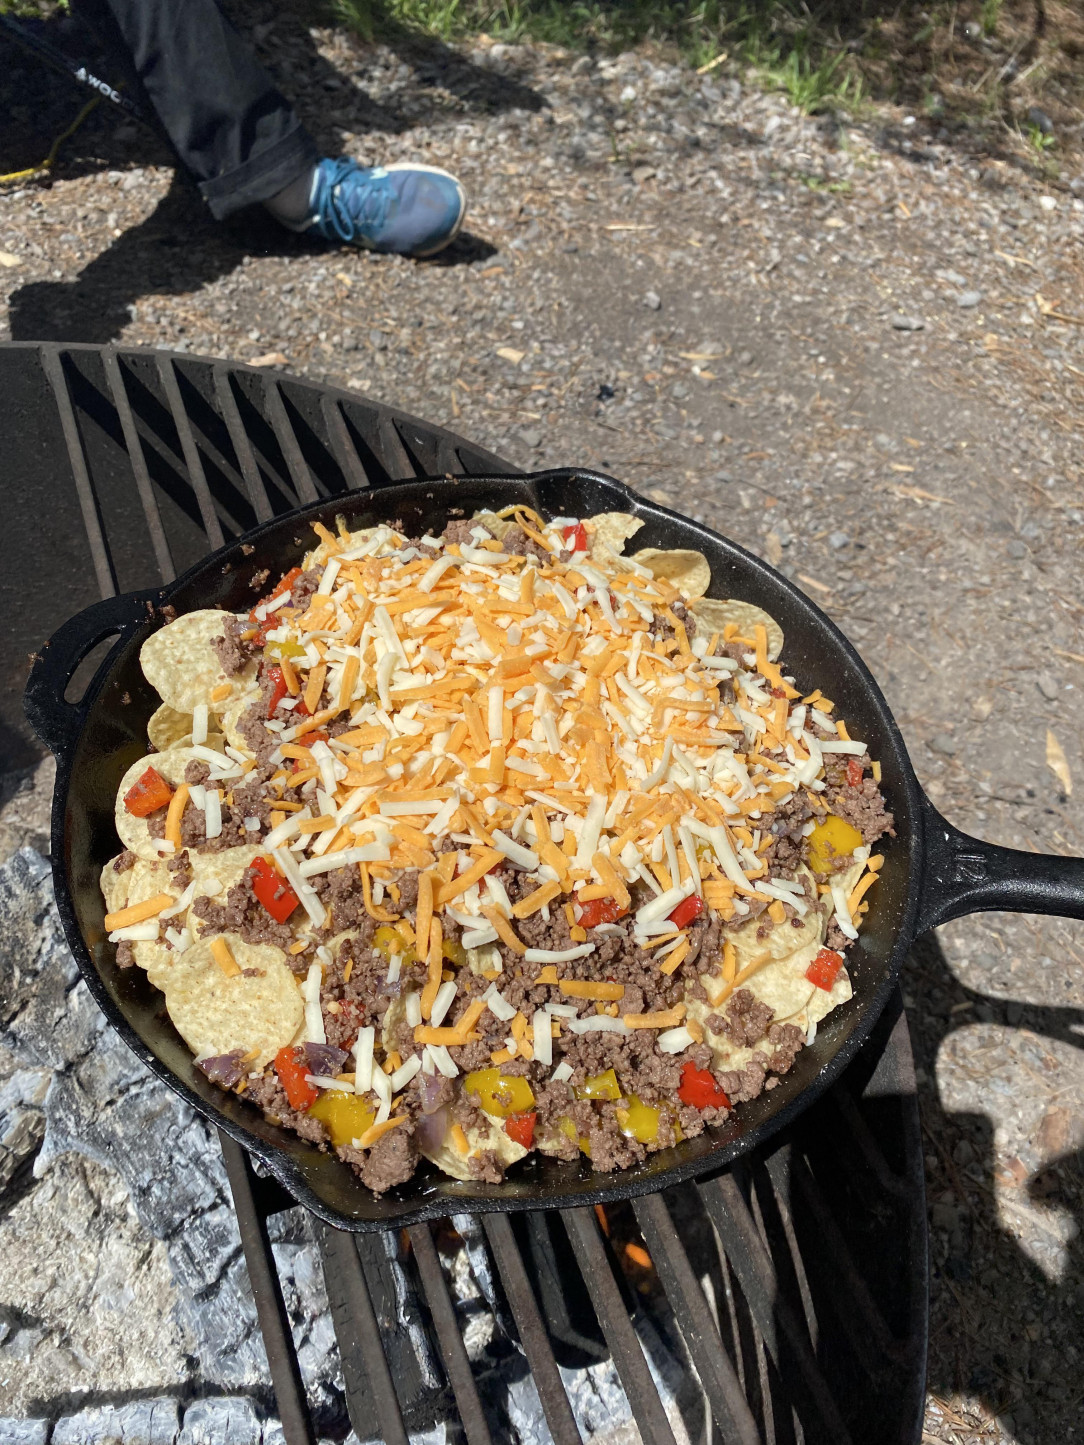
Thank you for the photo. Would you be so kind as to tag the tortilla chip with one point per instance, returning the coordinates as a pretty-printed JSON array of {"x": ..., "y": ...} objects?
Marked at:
[
  {"x": 689, "y": 572},
  {"x": 114, "y": 887},
  {"x": 492, "y": 523},
  {"x": 214, "y": 1014},
  {"x": 181, "y": 665},
  {"x": 609, "y": 531},
  {"x": 168, "y": 727},
  {"x": 231, "y": 716},
  {"x": 489, "y": 1135},
  {"x": 135, "y": 832},
  {"x": 716, "y": 615}
]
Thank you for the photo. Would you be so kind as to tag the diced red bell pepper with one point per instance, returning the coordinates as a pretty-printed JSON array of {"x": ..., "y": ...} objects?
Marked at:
[
  {"x": 262, "y": 626},
  {"x": 149, "y": 793},
  {"x": 278, "y": 688},
  {"x": 291, "y": 1066},
  {"x": 854, "y": 772},
  {"x": 520, "y": 1129},
  {"x": 600, "y": 910},
  {"x": 699, "y": 1088},
  {"x": 576, "y": 538},
  {"x": 687, "y": 910},
  {"x": 273, "y": 891},
  {"x": 824, "y": 969}
]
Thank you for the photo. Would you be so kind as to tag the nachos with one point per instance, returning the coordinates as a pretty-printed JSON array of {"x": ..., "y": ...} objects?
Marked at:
[{"x": 462, "y": 846}]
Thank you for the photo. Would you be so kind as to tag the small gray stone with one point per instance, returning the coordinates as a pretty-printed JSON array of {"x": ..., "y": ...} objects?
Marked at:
[
  {"x": 24, "y": 1432},
  {"x": 231, "y": 1420},
  {"x": 378, "y": 341},
  {"x": 943, "y": 743},
  {"x": 838, "y": 540},
  {"x": 1017, "y": 549},
  {"x": 642, "y": 174},
  {"x": 1039, "y": 118},
  {"x": 907, "y": 323},
  {"x": 142, "y": 1422},
  {"x": 968, "y": 300},
  {"x": 531, "y": 438},
  {"x": 652, "y": 300},
  {"x": 953, "y": 278},
  {"x": 1049, "y": 686}
]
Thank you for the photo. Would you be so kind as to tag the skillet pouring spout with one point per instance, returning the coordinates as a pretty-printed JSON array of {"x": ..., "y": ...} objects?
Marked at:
[{"x": 966, "y": 875}]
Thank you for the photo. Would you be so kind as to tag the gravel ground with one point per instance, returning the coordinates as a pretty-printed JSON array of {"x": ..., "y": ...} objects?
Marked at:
[{"x": 856, "y": 349}]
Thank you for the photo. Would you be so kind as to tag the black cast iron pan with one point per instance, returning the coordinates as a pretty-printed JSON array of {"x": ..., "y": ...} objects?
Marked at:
[{"x": 931, "y": 872}]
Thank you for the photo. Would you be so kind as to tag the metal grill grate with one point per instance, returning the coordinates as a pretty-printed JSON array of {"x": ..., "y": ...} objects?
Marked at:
[{"x": 796, "y": 1282}]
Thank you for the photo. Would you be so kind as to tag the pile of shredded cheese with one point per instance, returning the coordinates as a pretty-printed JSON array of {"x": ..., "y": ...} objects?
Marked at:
[{"x": 504, "y": 707}]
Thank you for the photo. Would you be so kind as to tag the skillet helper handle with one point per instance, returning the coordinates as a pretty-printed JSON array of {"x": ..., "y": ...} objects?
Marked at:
[
  {"x": 966, "y": 875},
  {"x": 55, "y": 720}
]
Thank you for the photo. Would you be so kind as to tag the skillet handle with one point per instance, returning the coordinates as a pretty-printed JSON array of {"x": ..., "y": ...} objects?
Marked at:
[
  {"x": 966, "y": 875},
  {"x": 55, "y": 720}
]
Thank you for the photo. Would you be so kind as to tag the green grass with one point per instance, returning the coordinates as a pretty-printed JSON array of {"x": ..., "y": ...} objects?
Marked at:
[{"x": 780, "y": 39}]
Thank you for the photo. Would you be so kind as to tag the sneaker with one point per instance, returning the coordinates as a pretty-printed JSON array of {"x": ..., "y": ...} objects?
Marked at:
[{"x": 412, "y": 210}]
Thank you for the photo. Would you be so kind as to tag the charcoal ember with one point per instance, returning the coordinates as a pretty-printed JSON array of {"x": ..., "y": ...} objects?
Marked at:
[
  {"x": 225, "y": 1421},
  {"x": 141, "y": 1422}
]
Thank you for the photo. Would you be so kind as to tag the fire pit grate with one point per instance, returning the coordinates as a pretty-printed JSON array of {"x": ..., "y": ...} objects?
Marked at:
[{"x": 794, "y": 1285}]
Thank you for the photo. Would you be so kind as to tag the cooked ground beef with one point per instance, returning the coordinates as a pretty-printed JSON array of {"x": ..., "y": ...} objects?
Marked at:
[
  {"x": 196, "y": 772},
  {"x": 270, "y": 1096},
  {"x": 460, "y": 533},
  {"x": 744, "y": 1021},
  {"x": 180, "y": 868},
  {"x": 243, "y": 914},
  {"x": 125, "y": 955},
  {"x": 124, "y": 861},
  {"x": 864, "y": 808},
  {"x": 391, "y": 1160},
  {"x": 516, "y": 542},
  {"x": 234, "y": 652},
  {"x": 303, "y": 588},
  {"x": 786, "y": 850}
]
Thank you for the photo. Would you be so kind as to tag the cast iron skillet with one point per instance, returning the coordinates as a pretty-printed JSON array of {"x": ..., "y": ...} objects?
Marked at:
[{"x": 931, "y": 872}]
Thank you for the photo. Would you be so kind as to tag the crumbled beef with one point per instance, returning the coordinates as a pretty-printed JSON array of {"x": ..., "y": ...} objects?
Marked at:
[
  {"x": 745, "y": 1020},
  {"x": 251, "y": 724},
  {"x": 122, "y": 863},
  {"x": 341, "y": 893},
  {"x": 784, "y": 853},
  {"x": 303, "y": 588},
  {"x": 180, "y": 868},
  {"x": 516, "y": 542},
  {"x": 786, "y": 1041},
  {"x": 391, "y": 1160},
  {"x": 485, "y": 1165},
  {"x": 125, "y": 954},
  {"x": 460, "y": 533},
  {"x": 741, "y": 1085},
  {"x": 835, "y": 938},
  {"x": 257, "y": 580},
  {"x": 864, "y": 808},
  {"x": 196, "y": 772},
  {"x": 243, "y": 914},
  {"x": 234, "y": 653},
  {"x": 269, "y": 1095}
]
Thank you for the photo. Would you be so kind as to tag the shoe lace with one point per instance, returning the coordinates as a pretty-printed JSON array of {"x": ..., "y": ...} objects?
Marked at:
[{"x": 364, "y": 203}]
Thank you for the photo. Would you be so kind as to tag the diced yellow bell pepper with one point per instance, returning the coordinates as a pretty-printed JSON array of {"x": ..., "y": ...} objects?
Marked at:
[
  {"x": 499, "y": 1094},
  {"x": 276, "y": 651},
  {"x": 345, "y": 1116},
  {"x": 454, "y": 952},
  {"x": 639, "y": 1121},
  {"x": 568, "y": 1129},
  {"x": 600, "y": 1086},
  {"x": 831, "y": 840},
  {"x": 388, "y": 940}
]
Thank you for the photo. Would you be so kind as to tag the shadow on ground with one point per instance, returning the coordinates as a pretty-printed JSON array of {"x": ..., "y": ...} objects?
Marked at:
[
  {"x": 178, "y": 248},
  {"x": 987, "y": 1295}
]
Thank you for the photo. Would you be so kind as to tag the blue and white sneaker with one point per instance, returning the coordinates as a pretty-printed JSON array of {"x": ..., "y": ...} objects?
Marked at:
[{"x": 411, "y": 210}]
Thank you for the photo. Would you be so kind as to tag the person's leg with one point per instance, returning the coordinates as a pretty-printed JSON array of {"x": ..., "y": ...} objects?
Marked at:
[
  {"x": 231, "y": 128},
  {"x": 241, "y": 140}
]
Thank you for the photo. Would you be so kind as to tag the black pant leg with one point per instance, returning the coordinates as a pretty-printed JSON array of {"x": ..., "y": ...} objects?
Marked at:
[{"x": 231, "y": 128}]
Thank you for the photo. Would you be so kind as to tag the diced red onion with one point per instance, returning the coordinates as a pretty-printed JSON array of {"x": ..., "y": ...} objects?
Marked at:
[
  {"x": 432, "y": 1088},
  {"x": 324, "y": 1059},
  {"x": 430, "y": 1129},
  {"x": 223, "y": 1069}
]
